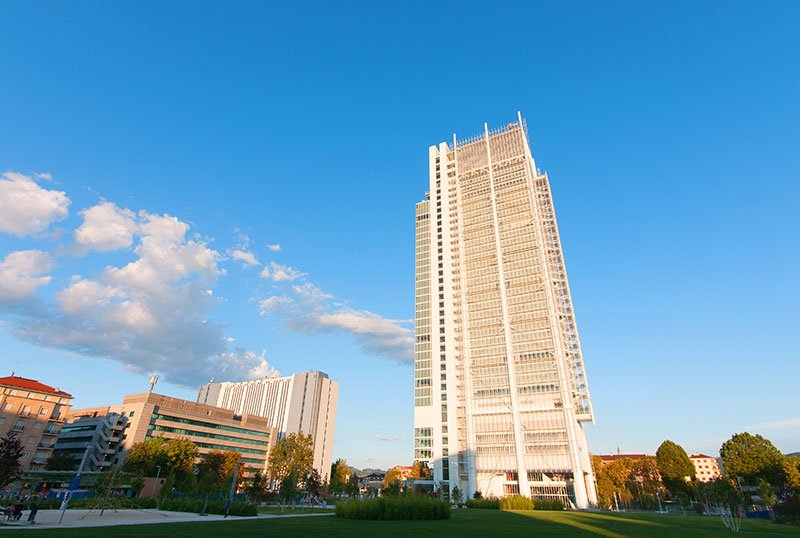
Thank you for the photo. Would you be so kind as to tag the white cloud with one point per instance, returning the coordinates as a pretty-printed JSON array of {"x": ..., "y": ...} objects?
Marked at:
[
  {"x": 26, "y": 208},
  {"x": 105, "y": 228},
  {"x": 44, "y": 175},
  {"x": 151, "y": 314},
  {"x": 788, "y": 424},
  {"x": 375, "y": 334},
  {"x": 274, "y": 303},
  {"x": 311, "y": 293},
  {"x": 280, "y": 273},
  {"x": 274, "y": 248},
  {"x": 381, "y": 437},
  {"x": 20, "y": 274},
  {"x": 247, "y": 258}
]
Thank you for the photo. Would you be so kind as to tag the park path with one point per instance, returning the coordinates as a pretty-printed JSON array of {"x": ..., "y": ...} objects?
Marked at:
[{"x": 48, "y": 519}]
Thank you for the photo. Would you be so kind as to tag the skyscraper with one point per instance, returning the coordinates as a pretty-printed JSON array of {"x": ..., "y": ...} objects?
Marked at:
[
  {"x": 299, "y": 403},
  {"x": 500, "y": 391}
]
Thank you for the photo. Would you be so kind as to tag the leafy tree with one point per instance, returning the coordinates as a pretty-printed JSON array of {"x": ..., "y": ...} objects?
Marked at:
[
  {"x": 60, "y": 462},
  {"x": 10, "y": 453},
  {"x": 174, "y": 457},
  {"x": 456, "y": 495},
  {"x": 720, "y": 491},
  {"x": 166, "y": 489},
  {"x": 313, "y": 483},
  {"x": 766, "y": 492},
  {"x": 353, "y": 489},
  {"x": 645, "y": 472},
  {"x": 137, "y": 485},
  {"x": 674, "y": 466},
  {"x": 751, "y": 457},
  {"x": 257, "y": 487},
  {"x": 340, "y": 476},
  {"x": 215, "y": 471},
  {"x": 613, "y": 481},
  {"x": 420, "y": 471},
  {"x": 392, "y": 476},
  {"x": 288, "y": 490},
  {"x": 292, "y": 453}
]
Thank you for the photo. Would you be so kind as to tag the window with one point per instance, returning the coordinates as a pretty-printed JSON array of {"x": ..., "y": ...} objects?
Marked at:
[
  {"x": 130, "y": 414},
  {"x": 9, "y": 406},
  {"x": 19, "y": 425},
  {"x": 43, "y": 410}
]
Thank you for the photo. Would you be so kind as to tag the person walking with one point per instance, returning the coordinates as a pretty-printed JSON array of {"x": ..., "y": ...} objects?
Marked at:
[{"x": 34, "y": 506}]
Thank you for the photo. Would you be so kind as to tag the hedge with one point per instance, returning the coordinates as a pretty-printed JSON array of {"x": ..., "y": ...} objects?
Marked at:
[
  {"x": 516, "y": 502},
  {"x": 488, "y": 503},
  {"x": 416, "y": 507}
]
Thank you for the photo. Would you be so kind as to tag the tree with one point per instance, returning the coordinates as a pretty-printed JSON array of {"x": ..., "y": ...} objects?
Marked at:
[
  {"x": 420, "y": 471},
  {"x": 10, "y": 453},
  {"x": 340, "y": 476},
  {"x": 292, "y": 453},
  {"x": 257, "y": 487},
  {"x": 288, "y": 490},
  {"x": 313, "y": 483},
  {"x": 751, "y": 457},
  {"x": 173, "y": 456},
  {"x": 215, "y": 471},
  {"x": 613, "y": 481},
  {"x": 720, "y": 492},
  {"x": 392, "y": 475},
  {"x": 60, "y": 462},
  {"x": 457, "y": 496},
  {"x": 674, "y": 466}
]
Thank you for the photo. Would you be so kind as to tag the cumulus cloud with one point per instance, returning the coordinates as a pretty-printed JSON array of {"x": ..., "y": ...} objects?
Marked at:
[
  {"x": 21, "y": 274},
  {"x": 247, "y": 258},
  {"x": 105, "y": 228},
  {"x": 309, "y": 292},
  {"x": 274, "y": 248},
  {"x": 152, "y": 314},
  {"x": 280, "y": 273},
  {"x": 275, "y": 303},
  {"x": 26, "y": 208}
]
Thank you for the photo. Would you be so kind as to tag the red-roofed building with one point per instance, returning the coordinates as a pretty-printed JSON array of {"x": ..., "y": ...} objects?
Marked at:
[
  {"x": 36, "y": 413},
  {"x": 706, "y": 468}
]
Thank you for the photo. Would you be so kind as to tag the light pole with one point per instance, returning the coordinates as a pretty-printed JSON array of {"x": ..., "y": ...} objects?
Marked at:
[{"x": 158, "y": 473}]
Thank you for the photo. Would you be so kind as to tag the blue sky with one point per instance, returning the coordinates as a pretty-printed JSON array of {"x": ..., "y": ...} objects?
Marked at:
[{"x": 158, "y": 146}]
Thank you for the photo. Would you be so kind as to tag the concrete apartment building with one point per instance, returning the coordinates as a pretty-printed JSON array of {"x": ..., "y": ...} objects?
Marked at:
[
  {"x": 93, "y": 441},
  {"x": 36, "y": 413},
  {"x": 500, "y": 390},
  {"x": 706, "y": 468},
  {"x": 151, "y": 415},
  {"x": 299, "y": 403}
]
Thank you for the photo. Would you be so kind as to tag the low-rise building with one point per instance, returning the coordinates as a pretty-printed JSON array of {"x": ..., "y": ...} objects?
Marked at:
[
  {"x": 36, "y": 413},
  {"x": 151, "y": 415},
  {"x": 706, "y": 468}
]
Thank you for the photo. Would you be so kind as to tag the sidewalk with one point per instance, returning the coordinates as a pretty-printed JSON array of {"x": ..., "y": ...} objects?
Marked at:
[{"x": 48, "y": 519}]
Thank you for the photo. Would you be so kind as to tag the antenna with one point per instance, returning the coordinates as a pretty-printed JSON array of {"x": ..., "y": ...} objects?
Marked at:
[
  {"x": 153, "y": 381},
  {"x": 14, "y": 371}
]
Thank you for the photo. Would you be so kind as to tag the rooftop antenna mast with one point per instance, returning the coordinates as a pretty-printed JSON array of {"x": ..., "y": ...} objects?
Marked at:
[{"x": 153, "y": 381}]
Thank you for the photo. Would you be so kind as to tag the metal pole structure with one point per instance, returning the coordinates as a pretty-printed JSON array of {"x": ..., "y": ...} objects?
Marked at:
[
  {"x": 158, "y": 473},
  {"x": 109, "y": 489},
  {"x": 232, "y": 490},
  {"x": 77, "y": 476}
]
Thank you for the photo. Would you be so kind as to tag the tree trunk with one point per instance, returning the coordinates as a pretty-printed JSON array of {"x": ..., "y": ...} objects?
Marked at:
[{"x": 205, "y": 504}]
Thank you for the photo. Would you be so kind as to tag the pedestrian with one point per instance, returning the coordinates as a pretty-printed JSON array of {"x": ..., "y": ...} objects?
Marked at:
[
  {"x": 34, "y": 506},
  {"x": 18, "y": 506}
]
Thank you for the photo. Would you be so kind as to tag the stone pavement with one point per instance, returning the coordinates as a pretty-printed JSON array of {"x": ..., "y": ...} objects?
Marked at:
[{"x": 48, "y": 519}]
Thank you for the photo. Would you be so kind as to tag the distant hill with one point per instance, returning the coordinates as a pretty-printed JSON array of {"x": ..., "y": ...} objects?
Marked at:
[{"x": 796, "y": 454}]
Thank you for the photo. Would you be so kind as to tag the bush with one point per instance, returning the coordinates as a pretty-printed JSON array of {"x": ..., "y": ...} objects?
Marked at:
[
  {"x": 415, "y": 507},
  {"x": 215, "y": 506},
  {"x": 516, "y": 502},
  {"x": 548, "y": 504},
  {"x": 484, "y": 504}
]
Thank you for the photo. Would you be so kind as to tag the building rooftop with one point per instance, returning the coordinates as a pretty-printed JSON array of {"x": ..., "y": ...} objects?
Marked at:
[{"x": 32, "y": 385}]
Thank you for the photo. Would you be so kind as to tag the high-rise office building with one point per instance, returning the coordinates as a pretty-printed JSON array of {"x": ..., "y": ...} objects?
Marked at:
[
  {"x": 299, "y": 403},
  {"x": 500, "y": 391}
]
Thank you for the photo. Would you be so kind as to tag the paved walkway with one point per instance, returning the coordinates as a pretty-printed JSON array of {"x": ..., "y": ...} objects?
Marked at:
[{"x": 48, "y": 519}]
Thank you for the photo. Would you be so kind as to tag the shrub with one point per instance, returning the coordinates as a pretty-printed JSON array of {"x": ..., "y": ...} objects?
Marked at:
[
  {"x": 215, "y": 506},
  {"x": 484, "y": 504},
  {"x": 516, "y": 502},
  {"x": 415, "y": 507},
  {"x": 548, "y": 504}
]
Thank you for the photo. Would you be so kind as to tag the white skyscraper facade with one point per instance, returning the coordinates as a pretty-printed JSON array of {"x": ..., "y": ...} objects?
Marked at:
[
  {"x": 299, "y": 403},
  {"x": 500, "y": 391}
]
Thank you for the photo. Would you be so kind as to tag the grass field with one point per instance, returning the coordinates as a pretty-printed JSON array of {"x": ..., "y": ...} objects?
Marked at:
[{"x": 464, "y": 523}]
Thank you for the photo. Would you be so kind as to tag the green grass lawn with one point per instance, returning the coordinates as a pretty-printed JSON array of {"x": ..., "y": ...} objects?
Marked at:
[{"x": 464, "y": 523}]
